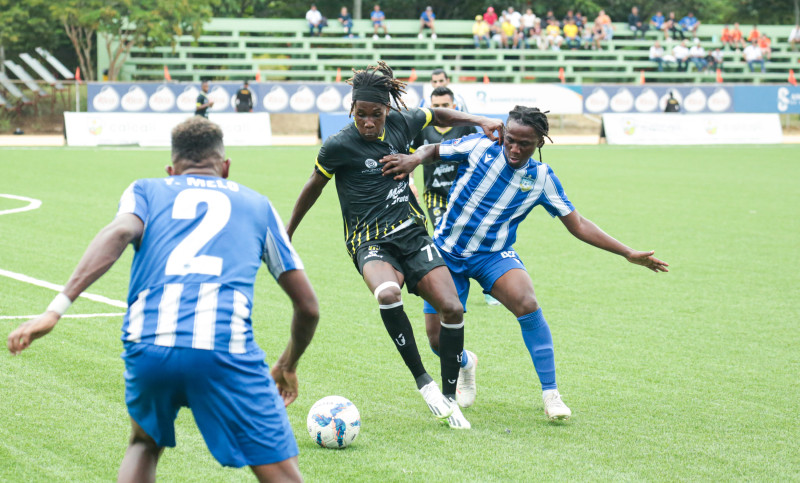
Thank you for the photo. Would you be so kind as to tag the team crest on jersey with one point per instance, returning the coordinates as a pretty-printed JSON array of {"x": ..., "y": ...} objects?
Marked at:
[
  {"x": 526, "y": 183},
  {"x": 371, "y": 163},
  {"x": 457, "y": 142}
]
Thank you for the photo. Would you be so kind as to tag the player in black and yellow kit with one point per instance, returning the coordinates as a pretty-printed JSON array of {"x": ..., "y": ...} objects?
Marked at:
[
  {"x": 384, "y": 225},
  {"x": 244, "y": 98},
  {"x": 203, "y": 102}
]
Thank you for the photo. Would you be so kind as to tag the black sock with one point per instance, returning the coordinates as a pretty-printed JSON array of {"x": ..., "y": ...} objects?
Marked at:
[
  {"x": 451, "y": 345},
  {"x": 399, "y": 327}
]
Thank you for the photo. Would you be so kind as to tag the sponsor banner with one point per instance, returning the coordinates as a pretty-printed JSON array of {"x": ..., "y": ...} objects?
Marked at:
[
  {"x": 143, "y": 129},
  {"x": 267, "y": 97},
  {"x": 692, "y": 99},
  {"x": 501, "y": 98},
  {"x": 781, "y": 99},
  {"x": 674, "y": 129}
]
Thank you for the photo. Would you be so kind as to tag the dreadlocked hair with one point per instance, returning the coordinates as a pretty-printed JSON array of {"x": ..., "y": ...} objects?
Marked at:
[
  {"x": 533, "y": 117},
  {"x": 382, "y": 77}
]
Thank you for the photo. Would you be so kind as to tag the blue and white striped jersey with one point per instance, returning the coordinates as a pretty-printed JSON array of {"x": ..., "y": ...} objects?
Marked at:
[
  {"x": 490, "y": 198},
  {"x": 192, "y": 275}
]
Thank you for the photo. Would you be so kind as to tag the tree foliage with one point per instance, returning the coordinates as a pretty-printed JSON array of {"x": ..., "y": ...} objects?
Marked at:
[{"x": 27, "y": 24}]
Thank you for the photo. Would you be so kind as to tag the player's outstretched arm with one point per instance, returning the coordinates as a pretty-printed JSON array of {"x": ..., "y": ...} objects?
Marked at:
[
  {"x": 584, "y": 230},
  {"x": 308, "y": 196},
  {"x": 304, "y": 323},
  {"x": 452, "y": 118},
  {"x": 100, "y": 255},
  {"x": 399, "y": 165}
]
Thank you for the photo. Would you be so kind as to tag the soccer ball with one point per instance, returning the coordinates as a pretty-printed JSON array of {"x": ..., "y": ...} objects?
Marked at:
[{"x": 333, "y": 422}]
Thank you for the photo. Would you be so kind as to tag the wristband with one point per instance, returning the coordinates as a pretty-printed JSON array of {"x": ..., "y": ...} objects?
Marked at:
[{"x": 60, "y": 304}]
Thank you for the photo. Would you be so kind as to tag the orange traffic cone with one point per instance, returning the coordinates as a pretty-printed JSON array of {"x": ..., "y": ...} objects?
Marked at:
[
  {"x": 641, "y": 77},
  {"x": 792, "y": 80},
  {"x": 561, "y": 74},
  {"x": 719, "y": 76},
  {"x": 413, "y": 75},
  {"x": 78, "y": 75},
  {"x": 167, "y": 77},
  {"x": 258, "y": 76},
  {"x": 485, "y": 79},
  {"x": 338, "y": 74}
]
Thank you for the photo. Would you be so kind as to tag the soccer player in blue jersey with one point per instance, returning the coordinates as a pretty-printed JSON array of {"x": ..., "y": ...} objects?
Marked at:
[
  {"x": 497, "y": 185},
  {"x": 199, "y": 240}
]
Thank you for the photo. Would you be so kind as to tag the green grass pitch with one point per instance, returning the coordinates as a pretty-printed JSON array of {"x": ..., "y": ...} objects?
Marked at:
[{"x": 689, "y": 375}]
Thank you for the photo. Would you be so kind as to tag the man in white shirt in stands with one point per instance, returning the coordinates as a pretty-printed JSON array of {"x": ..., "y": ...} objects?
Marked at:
[
  {"x": 657, "y": 55},
  {"x": 752, "y": 55},
  {"x": 314, "y": 18},
  {"x": 794, "y": 37},
  {"x": 514, "y": 17},
  {"x": 681, "y": 53},
  {"x": 697, "y": 54}
]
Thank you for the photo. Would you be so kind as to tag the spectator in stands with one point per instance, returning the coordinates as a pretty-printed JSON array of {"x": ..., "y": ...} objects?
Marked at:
[
  {"x": 490, "y": 16},
  {"x": 765, "y": 44},
  {"x": 690, "y": 24},
  {"x": 681, "y": 54},
  {"x": 571, "y": 36},
  {"x": 657, "y": 55},
  {"x": 726, "y": 37},
  {"x": 635, "y": 23},
  {"x": 737, "y": 37},
  {"x": 657, "y": 21},
  {"x": 794, "y": 37},
  {"x": 427, "y": 21},
  {"x": 569, "y": 16},
  {"x": 553, "y": 35},
  {"x": 715, "y": 59},
  {"x": 535, "y": 36},
  {"x": 586, "y": 33},
  {"x": 598, "y": 35},
  {"x": 605, "y": 22},
  {"x": 514, "y": 17},
  {"x": 753, "y": 55},
  {"x": 697, "y": 55},
  {"x": 508, "y": 34},
  {"x": 439, "y": 78},
  {"x": 528, "y": 19},
  {"x": 315, "y": 21},
  {"x": 480, "y": 32},
  {"x": 244, "y": 98},
  {"x": 579, "y": 19},
  {"x": 378, "y": 22},
  {"x": 549, "y": 17},
  {"x": 346, "y": 22},
  {"x": 754, "y": 34},
  {"x": 671, "y": 26}
]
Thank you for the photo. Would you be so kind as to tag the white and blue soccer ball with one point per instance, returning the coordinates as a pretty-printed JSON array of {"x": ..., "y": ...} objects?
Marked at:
[{"x": 333, "y": 422}]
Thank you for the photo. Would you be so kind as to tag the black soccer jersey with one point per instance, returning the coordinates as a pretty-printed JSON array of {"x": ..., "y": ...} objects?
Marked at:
[
  {"x": 244, "y": 100},
  {"x": 439, "y": 177},
  {"x": 373, "y": 206},
  {"x": 202, "y": 98}
]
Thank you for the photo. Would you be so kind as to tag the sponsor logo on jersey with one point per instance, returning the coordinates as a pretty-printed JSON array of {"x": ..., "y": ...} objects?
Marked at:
[
  {"x": 398, "y": 194},
  {"x": 370, "y": 163},
  {"x": 526, "y": 183},
  {"x": 444, "y": 168}
]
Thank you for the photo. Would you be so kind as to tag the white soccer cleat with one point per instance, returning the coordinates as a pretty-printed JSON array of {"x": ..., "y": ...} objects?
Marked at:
[
  {"x": 457, "y": 419},
  {"x": 554, "y": 407},
  {"x": 466, "y": 388},
  {"x": 490, "y": 300},
  {"x": 440, "y": 406}
]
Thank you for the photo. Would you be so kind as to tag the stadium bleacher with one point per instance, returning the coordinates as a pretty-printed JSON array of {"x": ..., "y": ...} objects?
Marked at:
[{"x": 280, "y": 49}]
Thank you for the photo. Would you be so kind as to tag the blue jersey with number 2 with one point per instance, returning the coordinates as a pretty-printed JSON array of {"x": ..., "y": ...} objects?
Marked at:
[{"x": 192, "y": 275}]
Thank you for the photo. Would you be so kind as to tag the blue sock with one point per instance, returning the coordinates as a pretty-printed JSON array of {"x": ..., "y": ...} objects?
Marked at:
[
  {"x": 537, "y": 338},
  {"x": 464, "y": 357}
]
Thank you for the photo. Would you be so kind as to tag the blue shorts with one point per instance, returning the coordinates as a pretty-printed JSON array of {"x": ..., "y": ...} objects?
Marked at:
[
  {"x": 232, "y": 396},
  {"x": 485, "y": 268}
]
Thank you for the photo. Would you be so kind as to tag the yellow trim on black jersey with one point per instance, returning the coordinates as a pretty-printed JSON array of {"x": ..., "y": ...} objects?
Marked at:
[
  {"x": 441, "y": 130},
  {"x": 411, "y": 150},
  {"x": 383, "y": 134},
  {"x": 322, "y": 170},
  {"x": 428, "y": 116}
]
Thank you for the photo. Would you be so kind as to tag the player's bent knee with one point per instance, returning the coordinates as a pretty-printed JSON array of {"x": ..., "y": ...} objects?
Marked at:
[{"x": 451, "y": 311}]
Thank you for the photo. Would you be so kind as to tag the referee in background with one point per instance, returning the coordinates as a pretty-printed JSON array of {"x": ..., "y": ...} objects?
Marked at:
[{"x": 244, "y": 98}]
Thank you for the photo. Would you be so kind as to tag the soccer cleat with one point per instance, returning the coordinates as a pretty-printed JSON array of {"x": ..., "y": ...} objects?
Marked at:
[
  {"x": 490, "y": 300},
  {"x": 440, "y": 406},
  {"x": 457, "y": 419},
  {"x": 554, "y": 407},
  {"x": 466, "y": 389}
]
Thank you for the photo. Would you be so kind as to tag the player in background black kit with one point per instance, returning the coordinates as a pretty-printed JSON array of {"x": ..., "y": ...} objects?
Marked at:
[
  {"x": 672, "y": 104},
  {"x": 244, "y": 98},
  {"x": 384, "y": 226},
  {"x": 203, "y": 102}
]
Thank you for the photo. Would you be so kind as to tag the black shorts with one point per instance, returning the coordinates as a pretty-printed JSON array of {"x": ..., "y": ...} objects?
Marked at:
[{"x": 410, "y": 251}]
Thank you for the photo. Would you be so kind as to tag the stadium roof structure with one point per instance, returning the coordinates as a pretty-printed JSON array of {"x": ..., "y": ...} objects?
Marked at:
[{"x": 42, "y": 71}]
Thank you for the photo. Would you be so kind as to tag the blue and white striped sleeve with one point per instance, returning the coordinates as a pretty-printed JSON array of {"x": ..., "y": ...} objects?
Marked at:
[
  {"x": 279, "y": 255},
  {"x": 457, "y": 150},
  {"x": 134, "y": 201},
  {"x": 553, "y": 198}
]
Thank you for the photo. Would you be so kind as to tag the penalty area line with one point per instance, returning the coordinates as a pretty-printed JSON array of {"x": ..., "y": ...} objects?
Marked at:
[
  {"x": 67, "y": 316},
  {"x": 58, "y": 288},
  {"x": 33, "y": 204}
]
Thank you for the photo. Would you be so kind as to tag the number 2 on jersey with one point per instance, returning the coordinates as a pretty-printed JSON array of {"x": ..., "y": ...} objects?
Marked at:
[{"x": 184, "y": 260}]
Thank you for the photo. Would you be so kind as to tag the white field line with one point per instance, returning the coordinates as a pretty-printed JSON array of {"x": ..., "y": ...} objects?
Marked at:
[
  {"x": 67, "y": 316},
  {"x": 59, "y": 288},
  {"x": 32, "y": 204}
]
